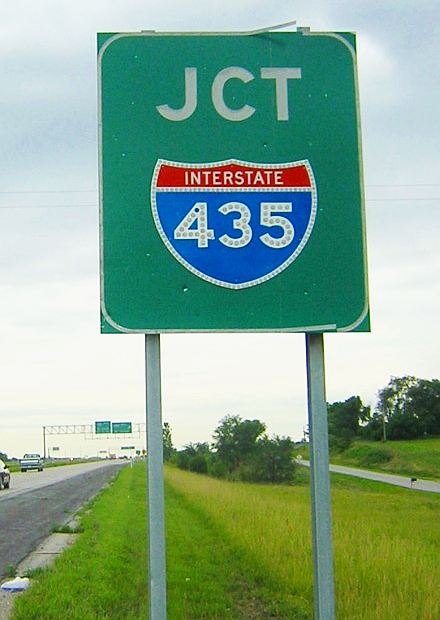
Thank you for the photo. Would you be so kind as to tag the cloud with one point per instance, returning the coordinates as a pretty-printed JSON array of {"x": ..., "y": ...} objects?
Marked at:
[
  {"x": 377, "y": 72},
  {"x": 48, "y": 244},
  {"x": 56, "y": 368}
]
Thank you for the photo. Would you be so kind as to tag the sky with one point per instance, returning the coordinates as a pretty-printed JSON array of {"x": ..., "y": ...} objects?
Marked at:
[{"x": 55, "y": 366}]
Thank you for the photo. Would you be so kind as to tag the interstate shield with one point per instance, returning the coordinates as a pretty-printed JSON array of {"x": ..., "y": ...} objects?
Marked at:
[{"x": 234, "y": 223}]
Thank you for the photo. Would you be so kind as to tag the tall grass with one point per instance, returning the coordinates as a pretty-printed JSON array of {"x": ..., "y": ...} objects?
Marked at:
[
  {"x": 104, "y": 575},
  {"x": 240, "y": 551},
  {"x": 386, "y": 540},
  {"x": 416, "y": 457}
]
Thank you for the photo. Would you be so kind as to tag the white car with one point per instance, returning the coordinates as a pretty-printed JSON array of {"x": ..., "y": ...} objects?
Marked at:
[
  {"x": 31, "y": 461},
  {"x": 5, "y": 476}
]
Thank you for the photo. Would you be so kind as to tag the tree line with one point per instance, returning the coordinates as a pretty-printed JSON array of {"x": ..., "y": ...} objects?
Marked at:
[
  {"x": 407, "y": 408},
  {"x": 240, "y": 450}
]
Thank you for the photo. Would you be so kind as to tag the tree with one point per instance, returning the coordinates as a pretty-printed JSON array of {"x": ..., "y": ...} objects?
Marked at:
[
  {"x": 235, "y": 440},
  {"x": 344, "y": 419},
  {"x": 194, "y": 457},
  {"x": 241, "y": 451},
  {"x": 424, "y": 402},
  {"x": 273, "y": 460},
  {"x": 407, "y": 408},
  {"x": 168, "y": 448},
  {"x": 392, "y": 398},
  {"x": 391, "y": 405}
]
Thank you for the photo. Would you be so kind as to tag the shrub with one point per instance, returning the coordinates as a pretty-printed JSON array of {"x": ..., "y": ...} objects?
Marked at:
[
  {"x": 217, "y": 468},
  {"x": 377, "y": 456},
  {"x": 198, "y": 464}
]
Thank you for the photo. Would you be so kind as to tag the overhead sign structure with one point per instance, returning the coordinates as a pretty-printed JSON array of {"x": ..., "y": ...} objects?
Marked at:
[
  {"x": 103, "y": 427},
  {"x": 121, "y": 427},
  {"x": 231, "y": 183}
]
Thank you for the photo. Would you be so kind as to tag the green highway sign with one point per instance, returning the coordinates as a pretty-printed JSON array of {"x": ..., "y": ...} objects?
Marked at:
[
  {"x": 231, "y": 183},
  {"x": 121, "y": 427},
  {"x": 103, "y": 427},
  {"x": 127, "y": 447}
]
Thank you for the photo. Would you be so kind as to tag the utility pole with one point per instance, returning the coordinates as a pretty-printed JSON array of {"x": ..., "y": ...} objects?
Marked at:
[{"x": 384, "y": 428}]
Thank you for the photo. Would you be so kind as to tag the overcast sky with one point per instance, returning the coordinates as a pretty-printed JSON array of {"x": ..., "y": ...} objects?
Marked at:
[{"x": 56, "y": 367}]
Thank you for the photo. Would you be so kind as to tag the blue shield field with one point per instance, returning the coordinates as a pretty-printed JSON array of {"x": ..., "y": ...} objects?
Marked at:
[{"x": 234, "y": 224}]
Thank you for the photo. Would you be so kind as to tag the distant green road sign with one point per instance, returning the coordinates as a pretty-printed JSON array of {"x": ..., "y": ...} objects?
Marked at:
[
  {"x": 103, "y": 427},
  {"x": 127, "y": 447},
  {"x": 121, "y": 427},
  {"x": 231, "y": 183}
]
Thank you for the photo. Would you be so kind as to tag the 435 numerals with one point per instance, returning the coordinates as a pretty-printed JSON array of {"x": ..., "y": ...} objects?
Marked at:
[{"x": 194, "y": 226}]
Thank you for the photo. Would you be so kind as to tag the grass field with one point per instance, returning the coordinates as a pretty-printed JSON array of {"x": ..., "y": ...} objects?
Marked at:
[
  {"x": 418, "y": 457},
  {"x": 242, "y": 551}
]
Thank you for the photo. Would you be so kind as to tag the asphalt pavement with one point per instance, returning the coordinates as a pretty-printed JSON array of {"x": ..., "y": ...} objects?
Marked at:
[
  {"x": 37, "y": 501},
  {"x": 401, "y": 481}
]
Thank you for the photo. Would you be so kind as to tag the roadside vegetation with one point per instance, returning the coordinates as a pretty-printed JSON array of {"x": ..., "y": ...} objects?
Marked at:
[
  {"x": 401, "y": 435},
  {"x": 418, "y": 457},
  {"x": 406, "y": 408},
  {"x": 242, "y": 551},
  {"x": 241, "y": 450},
  {"x": 104, "y": 575}
]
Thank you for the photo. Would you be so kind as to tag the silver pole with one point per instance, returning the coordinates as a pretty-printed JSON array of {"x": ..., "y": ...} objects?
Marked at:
[
  {"x": 156, "y": 517},
  {"x": 324, "y": 597}
]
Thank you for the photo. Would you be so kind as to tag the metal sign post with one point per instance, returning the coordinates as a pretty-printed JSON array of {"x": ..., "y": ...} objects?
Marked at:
[
  {"x": 320, "y": 480},
  {"x": 231, "y": 200},
  {"x": 156, "y": 516}
]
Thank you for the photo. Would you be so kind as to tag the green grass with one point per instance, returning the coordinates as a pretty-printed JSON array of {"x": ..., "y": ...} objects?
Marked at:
[
  {"x": 104, "y": 574},
  {"x": 208, "y": 577},
  {"x": 11, "y": 571},
  {"x": 90, "y": 580},
  {"x": 67, "y": 529},
  {"x": 239, "y": 551},
  {"x": 386, "y": 542},
  {"x": 418, "y": 457}
]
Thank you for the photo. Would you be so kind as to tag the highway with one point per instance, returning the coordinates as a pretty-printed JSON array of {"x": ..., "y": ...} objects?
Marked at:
[
  {"x": 37, "y": 501},
  {"x": 31, "y": 480},
  {"x": 401, "y": 481}
]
